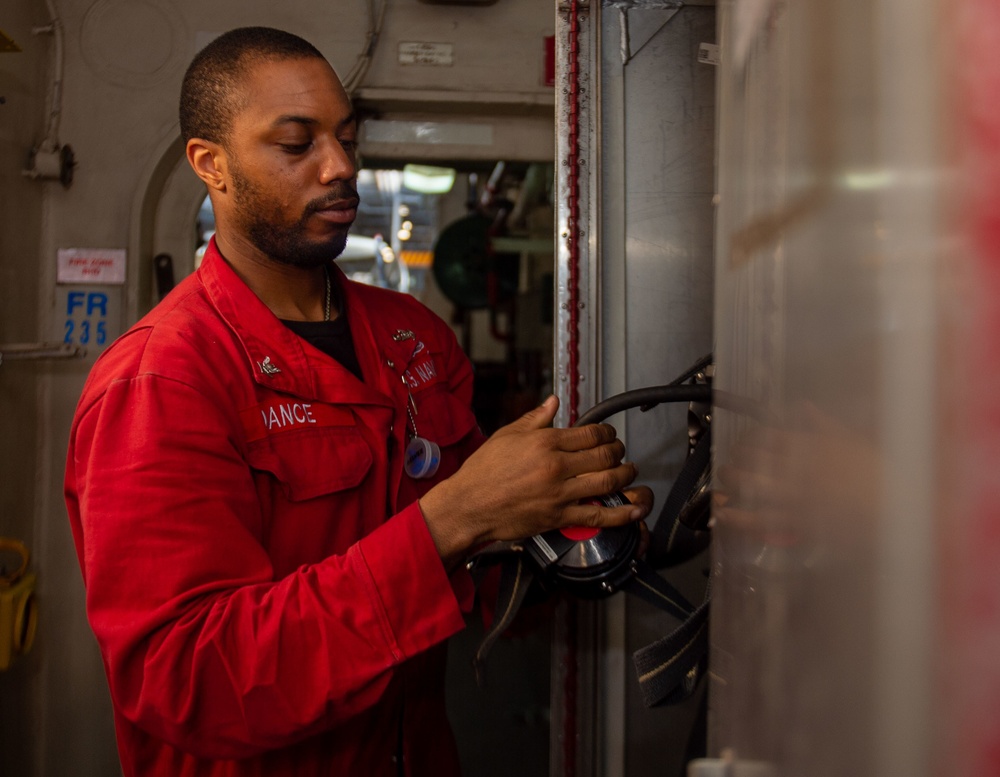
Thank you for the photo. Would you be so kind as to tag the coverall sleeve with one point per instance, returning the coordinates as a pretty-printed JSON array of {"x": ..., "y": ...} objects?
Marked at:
[{"x": 203, "y": 648}]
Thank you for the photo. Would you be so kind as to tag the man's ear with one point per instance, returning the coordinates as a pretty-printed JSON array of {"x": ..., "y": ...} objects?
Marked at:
[{"x": 208, "y": 160}]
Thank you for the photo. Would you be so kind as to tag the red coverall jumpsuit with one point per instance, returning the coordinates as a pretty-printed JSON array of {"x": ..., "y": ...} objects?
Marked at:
[{"x": 263, "y": 587}]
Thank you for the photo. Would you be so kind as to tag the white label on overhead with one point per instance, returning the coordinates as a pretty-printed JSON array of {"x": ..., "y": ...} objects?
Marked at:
[
  {"x": 91, "y": 265},
  {"x": 430, "y": 132},
  {"x": 415, "y": 53},
  {"x": 708, "y": 54}
]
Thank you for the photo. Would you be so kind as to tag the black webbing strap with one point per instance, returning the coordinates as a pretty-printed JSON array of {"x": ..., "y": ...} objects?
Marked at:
[
  {"x": 516, "y": 577},
  {"x": 669, "y": 669},
  {"x": 652, "y": 588},
  {"x": 671, "y": 541}
]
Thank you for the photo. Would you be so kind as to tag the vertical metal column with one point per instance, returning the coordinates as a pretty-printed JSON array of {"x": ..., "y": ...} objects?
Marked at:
[
  {"x": 634, "y": 151},
  {"x": 574, "y": 162},
  {"x": 573, "y": 725}
]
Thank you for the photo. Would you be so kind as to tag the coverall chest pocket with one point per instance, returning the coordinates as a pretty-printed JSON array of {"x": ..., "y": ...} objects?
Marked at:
[
  {"x": 312, "y": 462},
  {"x": 442, "y": 417}
]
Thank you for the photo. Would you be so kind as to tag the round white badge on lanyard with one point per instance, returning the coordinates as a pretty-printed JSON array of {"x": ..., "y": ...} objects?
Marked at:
[{"x": 422, "y": 458}]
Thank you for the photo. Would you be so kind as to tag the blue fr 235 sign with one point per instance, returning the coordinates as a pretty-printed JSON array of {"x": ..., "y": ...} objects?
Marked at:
[
  {"x": 86, "y": 318},
  {"x": 89, "y": 317}
]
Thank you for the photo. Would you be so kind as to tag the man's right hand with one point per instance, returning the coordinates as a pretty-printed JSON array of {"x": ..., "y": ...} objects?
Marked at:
[{"x": 529, "y": 478}]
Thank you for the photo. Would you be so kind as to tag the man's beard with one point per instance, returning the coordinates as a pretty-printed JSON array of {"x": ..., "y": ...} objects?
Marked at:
[{"x": 264, "y": 226}]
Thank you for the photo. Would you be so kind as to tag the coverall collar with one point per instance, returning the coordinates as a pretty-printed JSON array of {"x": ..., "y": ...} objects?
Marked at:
[{"x": 282, "y": 361}]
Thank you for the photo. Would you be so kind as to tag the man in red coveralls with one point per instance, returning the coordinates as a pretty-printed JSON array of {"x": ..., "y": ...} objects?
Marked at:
[{"x": 272, "y": 564}]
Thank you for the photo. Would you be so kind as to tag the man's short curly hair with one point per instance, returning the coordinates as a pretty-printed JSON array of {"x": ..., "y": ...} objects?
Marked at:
[{"x": 212, "y": 93}]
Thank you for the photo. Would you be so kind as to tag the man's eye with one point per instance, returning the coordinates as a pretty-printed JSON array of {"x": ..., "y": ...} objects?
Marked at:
[
  {"x": 294, "y": 148},
  {"x": 348, "y": 144}
]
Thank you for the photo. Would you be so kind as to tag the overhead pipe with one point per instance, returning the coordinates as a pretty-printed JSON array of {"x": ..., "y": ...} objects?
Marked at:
[{"x": 50, "y": 160}]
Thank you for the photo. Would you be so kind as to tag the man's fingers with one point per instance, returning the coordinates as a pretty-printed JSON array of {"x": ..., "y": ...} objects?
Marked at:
[
  {"x": 596, "y": 484},
  {"x": 581, "y": 438},
  {"x": 599, "y": 459},
  {"x": 596, "y": 516},
  {"x": 640, "y": 496},
  {"x": 575, "y": 438},
  {"x": 540, "y": 417}
]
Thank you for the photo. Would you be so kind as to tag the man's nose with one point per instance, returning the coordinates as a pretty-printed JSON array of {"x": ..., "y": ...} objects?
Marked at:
[{"x": 337, "y": 162}]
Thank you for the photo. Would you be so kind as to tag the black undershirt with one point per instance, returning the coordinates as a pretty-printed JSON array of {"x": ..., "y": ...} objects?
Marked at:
[{"x": 331, "y": 337}]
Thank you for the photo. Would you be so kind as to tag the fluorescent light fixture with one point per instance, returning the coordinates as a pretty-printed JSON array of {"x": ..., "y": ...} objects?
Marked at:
[{"x": 426, "y": 179}]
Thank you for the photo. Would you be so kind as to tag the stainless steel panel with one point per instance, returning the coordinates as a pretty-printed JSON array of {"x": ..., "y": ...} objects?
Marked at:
[
  {"x": 669, "y": 150},
  {"x": 829, "y": 236}
]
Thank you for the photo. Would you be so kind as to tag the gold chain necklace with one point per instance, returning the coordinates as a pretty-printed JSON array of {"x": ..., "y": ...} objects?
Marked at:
[{"x": 329, "y": 295}]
